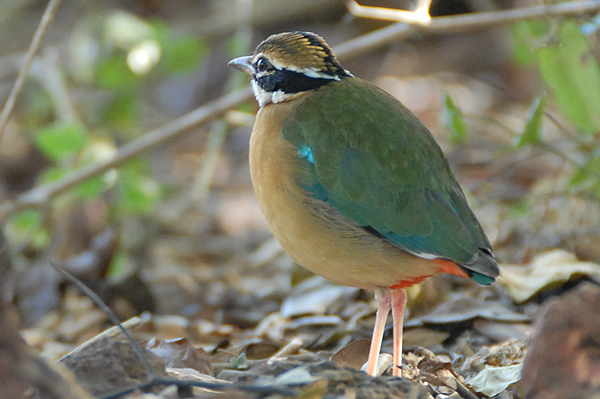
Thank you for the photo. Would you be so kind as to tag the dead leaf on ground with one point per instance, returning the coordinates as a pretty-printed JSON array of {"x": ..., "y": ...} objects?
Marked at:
[
  {"x": 326, "y": 379},
  {"x": 107, "y": 364},
  {"x": 353, "y": 355},
  {"x": 493, "y": 380},
  {"x": 314, "y": 296},
  {"x": 179, "y": 353},
  {"x": 464, "y": 309},
  {"x": 549, "y": 268}
]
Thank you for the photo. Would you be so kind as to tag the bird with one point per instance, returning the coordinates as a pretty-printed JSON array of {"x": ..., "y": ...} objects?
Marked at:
[{"x": 352, "y": 185}]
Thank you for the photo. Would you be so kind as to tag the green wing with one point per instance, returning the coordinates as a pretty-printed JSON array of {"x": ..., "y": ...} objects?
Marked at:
[{"x": 373, "y": 161}]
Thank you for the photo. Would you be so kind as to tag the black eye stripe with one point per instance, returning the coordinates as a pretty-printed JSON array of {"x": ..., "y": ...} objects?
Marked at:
[{"x": 289, "y": 82}]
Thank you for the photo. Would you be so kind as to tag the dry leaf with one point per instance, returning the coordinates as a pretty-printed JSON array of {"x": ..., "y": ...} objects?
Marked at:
[
  {"x": 180, "y": 353},
  {"x": 463, "y": 309},
  {"x": 552, "y": 267},
  {"x": 314, "y": 296},
  {"x": 493, "y": 380},
  {"x": 354, "y": 354}
]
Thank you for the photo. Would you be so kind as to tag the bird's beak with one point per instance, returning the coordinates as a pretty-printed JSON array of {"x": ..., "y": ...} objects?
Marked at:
[{"x": 244, "y": 64}]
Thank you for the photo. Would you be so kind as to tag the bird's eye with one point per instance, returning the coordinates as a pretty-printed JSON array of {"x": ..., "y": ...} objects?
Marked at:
[{"x": 261, "y": 65}]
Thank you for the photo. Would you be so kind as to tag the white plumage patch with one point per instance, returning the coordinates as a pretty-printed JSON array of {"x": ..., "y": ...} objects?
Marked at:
[
  {"x": 265, "y": 97},
  {"x": 311, "y": 72},
  {"x": 425, "y": 255}
]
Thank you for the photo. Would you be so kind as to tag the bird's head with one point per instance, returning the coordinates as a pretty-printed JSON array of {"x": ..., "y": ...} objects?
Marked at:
[{"x": 290, "y": 63}]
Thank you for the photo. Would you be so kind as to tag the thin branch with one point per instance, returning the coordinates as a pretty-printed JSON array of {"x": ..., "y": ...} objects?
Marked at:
[
  {"x": 463, "y": 22},
  {"x": 419, "y": 16},
  {"x": 107, "y": 311},
  {"x": 352, "y": 48},
  {"x": 501, "y": 17},
  {"x": 157, "y": 137},
  {"x": 570, "y": 135},
  {"x": 52, "y": 78},
  {"x": 33, "y": 48},
  {"x": 151, "y": 378}
]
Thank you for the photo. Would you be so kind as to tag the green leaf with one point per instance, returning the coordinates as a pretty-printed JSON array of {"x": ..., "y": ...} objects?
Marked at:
[
  {"x": 160, "y": 29},
  {"x": 520, "y": 208},
  {"x": 119, "y": 265},
  {"x": 573, "y": 74},
  {"x": 137, "y": 193},
  {"x": 587, "y": 174},
  {"x": 123, "y": 110},
  {"x": 454, "y": 121},
  {"x": 25, "y": 227},
  {"x": 181, "y": 54},
  {"x": 521, "y": 49},
  {"x": 240, "y": 362},
  {"x": 25, "y": 220},
  {"x": 61, "y": 140},
  {"x": 87, "y": 190},
  {"x": 527, "y": 36},
  {"x": 92, "y": 187},
  {"x": 114, "y": 74},
  {"x": 52, "y": 174},
  {"x": 532, "y": 132}
]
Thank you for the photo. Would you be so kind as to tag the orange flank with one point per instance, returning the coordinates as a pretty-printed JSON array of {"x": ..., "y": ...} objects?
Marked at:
[
  {"x": 409, "y": 283},
  {"x": 446, "y": 266}
]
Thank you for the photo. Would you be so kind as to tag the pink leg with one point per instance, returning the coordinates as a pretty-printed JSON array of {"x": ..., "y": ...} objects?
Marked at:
[
  {"x": 398, "y": 308},
  {"x": 382, "y": 295}
]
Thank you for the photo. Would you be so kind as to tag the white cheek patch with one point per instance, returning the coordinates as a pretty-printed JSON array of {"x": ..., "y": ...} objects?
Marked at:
[
  {"x": 279, "y": 96},
  {"x": 264, "y": 97}
]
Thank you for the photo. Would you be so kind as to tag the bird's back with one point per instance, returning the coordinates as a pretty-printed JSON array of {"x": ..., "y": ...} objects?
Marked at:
[{"x": 375, "y": 163}]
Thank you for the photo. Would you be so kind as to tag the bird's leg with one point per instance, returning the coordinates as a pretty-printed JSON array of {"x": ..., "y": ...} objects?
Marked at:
[
  {"x": 382, "y": 295},
  {"x": 398, "y": 308}
]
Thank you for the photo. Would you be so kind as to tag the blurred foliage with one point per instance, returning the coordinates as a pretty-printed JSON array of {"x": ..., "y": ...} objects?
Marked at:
[
  {"x": 564, "y": 57},
  {"x": 586, "y": 176},
  {"x": 532, "y": 132},
  {"x": 565, "y": 61},
  {"x": 26, "y": 227},
  {"x": 137, "y": 192},
  {"x": 454, "y": 121},
  {"x": 62, "y": 140},
  {"x": 116, "y": 56},
  {"x": 570, "y": 69}
]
